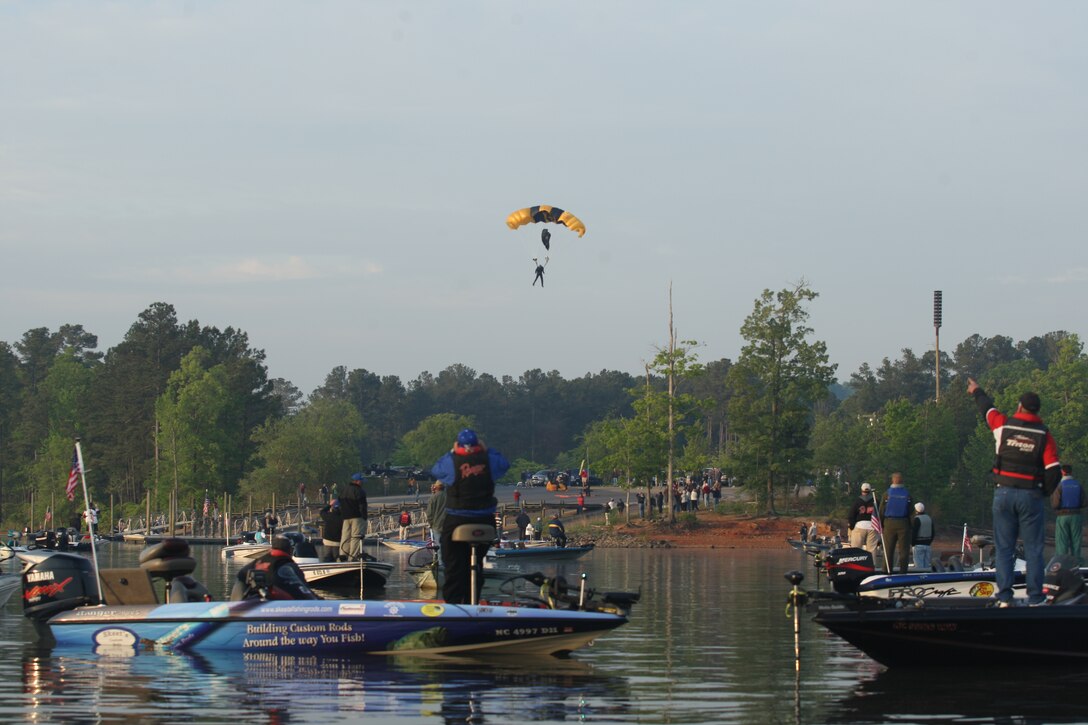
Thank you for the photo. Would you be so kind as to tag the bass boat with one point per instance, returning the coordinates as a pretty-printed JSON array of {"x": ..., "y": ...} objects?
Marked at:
[
  {"x": 121, "y": 613},
  {"x": 968, "y": 630}
]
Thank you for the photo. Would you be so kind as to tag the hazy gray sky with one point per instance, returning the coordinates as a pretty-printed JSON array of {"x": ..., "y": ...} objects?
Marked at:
[{"x": 333, "y": 177}]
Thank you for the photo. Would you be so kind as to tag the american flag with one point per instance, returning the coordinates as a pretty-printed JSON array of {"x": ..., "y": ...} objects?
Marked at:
[
  {"x": 207, "y": 503},
  {"x": 73, "y": 476},
  {"x": 966, "y": 541},
  {"x": 876, "y": 523}
]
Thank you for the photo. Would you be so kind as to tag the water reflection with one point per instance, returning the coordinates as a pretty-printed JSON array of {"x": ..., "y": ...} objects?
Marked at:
[
  {"x": 942, "y": 694},
  {"x": 164, "y": 687}
]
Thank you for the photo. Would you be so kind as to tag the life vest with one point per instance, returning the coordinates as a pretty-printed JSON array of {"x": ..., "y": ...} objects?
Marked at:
[
  {"x": 405, "y": 518},
  {"x": 1019, "y": 461},
  {"x": 898, "y": 506},
  {"x": 1072, "y": 494},
  {"x": 472, "y": 488},
  {"x": 925, "y": 529}
]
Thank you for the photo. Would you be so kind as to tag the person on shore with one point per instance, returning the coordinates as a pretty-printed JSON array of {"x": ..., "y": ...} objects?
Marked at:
[
  {"x": 922, "y": 530},
  {"x": 557, "y": 531},
  {"x": 640, "y": 499},
  {"x": 523, "y": 522},
  {"x": 332, "y": 525},
  {"x": 1068, "y": 503},
  {"x": 469, "y": 471},
  {"x": 862, "y": 533},
  {"x": 405, "y": 523},
  {"x": 1026, "y": 469},
  {"x": 517, "y": 499},
  {"x": 895, "y": 510},
  {"x": 436, "y": 510},
  {"x": 354, "y": 510},
  {"x": 280, "y": 576}
]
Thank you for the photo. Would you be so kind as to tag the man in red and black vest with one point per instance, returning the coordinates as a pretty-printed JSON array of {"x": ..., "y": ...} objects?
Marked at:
[
  {"x": 469, "y": 472},
  {"x": 1026, "y": 470},
  {"x": 275, "y": 575}
]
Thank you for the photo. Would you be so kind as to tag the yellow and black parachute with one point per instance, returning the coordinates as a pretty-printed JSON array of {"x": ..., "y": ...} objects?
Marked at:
[{"x": 547, "y": 214}]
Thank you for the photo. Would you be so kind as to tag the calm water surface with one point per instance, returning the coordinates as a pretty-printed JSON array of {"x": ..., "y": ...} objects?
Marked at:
[{"x": 709, "y": 643}]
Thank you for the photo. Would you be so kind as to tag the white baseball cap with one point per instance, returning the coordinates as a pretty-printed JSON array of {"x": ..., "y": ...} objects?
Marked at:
[
  {"x": 919, "y": 507},
  {"x": 866, "y": 487}
]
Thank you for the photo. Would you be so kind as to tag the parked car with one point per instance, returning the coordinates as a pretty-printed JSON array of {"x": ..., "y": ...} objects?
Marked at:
[{"x": 541, "y": 477}]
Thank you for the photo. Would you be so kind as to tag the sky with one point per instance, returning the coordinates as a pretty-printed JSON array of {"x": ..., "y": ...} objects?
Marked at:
[{"x": 333, "y": 177}]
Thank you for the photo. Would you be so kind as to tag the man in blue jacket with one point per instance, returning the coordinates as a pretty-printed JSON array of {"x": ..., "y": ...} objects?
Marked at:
[
  {"x": 1068, "y": 502},
  {"x": 469, "y": 472}
]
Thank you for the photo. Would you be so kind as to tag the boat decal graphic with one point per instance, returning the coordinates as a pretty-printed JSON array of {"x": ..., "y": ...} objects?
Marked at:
[
  {"x": 356, "y": 608},
  {"x": 983, "y": 589}
]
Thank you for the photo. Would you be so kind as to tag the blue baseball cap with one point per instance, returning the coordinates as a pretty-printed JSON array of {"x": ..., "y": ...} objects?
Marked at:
[
  {"x": 467, "y": 437},
  {"x": 356, "y": 477}
]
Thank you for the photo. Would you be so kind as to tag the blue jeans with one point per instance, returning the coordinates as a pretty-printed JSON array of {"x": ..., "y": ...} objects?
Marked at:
[
  {"x": 1019, "y": 512},
  {"x": 923, "y": 557}
]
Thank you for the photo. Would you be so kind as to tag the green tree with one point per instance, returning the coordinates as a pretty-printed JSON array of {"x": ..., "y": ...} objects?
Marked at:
[
  {"x": 777, "y": 380},
  {"x": 432, "y": 439},
  {"x": 318, "y": 444}
]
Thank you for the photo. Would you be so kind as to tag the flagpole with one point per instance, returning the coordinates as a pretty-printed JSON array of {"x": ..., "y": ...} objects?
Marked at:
[
  {"x": 91, "y": 526},
  {"x": 883, "y": 548},
  {"x": 963, "y": 540}
]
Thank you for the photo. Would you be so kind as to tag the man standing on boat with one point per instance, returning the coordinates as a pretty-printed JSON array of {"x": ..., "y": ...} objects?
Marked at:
[
  {"x": 922, "y": 536},
  {"x": 862, "y": 533},
  {"x": 332, "y": 527},
  {"x": 353, "y": 508},
  {"x": 469, "y": 472},
  {"x": 1068, "y": 502},
  {"x": 1026, "y": 468},
  {"x": 436, "y": 510},
  {"x": 895, "y": 511}
]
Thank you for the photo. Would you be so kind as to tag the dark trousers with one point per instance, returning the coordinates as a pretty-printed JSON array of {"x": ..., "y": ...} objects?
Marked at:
[
  {"x": 897, "y": 536},
  {"x": 457, "y": 559}
]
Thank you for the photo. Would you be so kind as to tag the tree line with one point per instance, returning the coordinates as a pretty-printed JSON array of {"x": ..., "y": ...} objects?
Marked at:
[{"x": 179, "y": 407}]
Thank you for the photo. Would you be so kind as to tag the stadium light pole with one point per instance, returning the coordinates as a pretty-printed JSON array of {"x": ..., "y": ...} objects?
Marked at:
[{"x": 937, "y": 334}]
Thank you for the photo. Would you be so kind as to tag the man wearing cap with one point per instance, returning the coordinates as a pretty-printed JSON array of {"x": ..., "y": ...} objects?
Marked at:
[
  {"x": 352, "y": 500},
  {"x": 275, "y": 575},
  {"x": 922, "y": 536},
  {"x": 862, "y": 533},
  {"x": 1026, "y": 470},
  {"x": 436, "y": 510},
  {"x": 469, "y": 472}
]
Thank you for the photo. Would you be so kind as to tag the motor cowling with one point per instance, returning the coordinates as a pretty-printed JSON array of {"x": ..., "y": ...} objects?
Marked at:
[
  {"x": 1063, "y": 581},
  {"x": 55, "y": 582},
  {"x": 848, "y": 567}
]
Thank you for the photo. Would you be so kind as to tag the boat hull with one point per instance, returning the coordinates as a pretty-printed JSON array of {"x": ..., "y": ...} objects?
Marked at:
[
  {"x": 564, "y": 553},
  {"x": 346, "y": 574},
  {"x": 329, "y": 626},
  {"x": 966, "y": 634}
]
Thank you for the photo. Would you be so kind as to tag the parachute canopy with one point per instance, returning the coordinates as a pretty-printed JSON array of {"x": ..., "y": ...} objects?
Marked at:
[{"x": 545, "y": 213}]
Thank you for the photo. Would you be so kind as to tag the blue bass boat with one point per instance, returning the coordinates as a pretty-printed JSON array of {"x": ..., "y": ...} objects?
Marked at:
[{"x": 121, "y": 613}]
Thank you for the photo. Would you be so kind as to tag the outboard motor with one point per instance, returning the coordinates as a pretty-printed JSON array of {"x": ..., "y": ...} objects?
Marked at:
[
  {"x": 848, "y": 567},
  {"x": 55, "y": 582},
  {"x": 1063, "y": 582}
]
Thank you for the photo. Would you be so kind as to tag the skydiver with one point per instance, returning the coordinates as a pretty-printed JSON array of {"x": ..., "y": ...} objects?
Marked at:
[
  {"x": 540, "y": 272},
  {"x": 546, "y": 237}
]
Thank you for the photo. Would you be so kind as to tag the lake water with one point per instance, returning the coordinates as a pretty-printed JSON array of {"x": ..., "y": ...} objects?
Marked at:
[{"x": 710, "y": 642}]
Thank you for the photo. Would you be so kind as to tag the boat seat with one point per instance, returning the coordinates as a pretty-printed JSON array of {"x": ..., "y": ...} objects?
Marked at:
[
  {"x": 474, "y": 534},
  {"x": 184, "y": 588},
  {"x": 168, "y": 559},
  {"x": 128, "y": 586}
]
